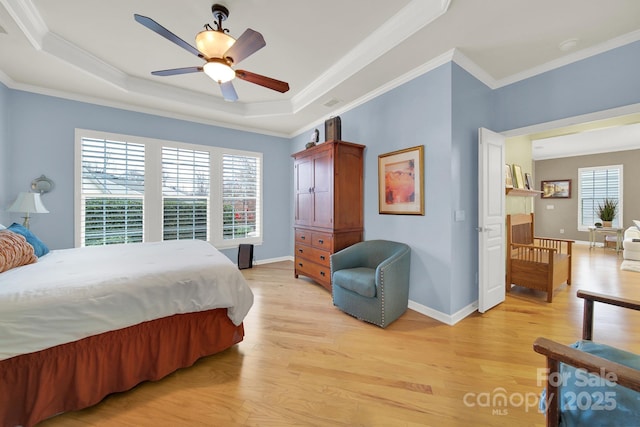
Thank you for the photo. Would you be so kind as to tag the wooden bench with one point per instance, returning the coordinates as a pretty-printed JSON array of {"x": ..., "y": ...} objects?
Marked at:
[{"x": 535, "y": 262}]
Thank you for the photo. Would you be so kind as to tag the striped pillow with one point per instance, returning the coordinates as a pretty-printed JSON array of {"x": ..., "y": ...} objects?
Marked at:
[{"x": 14, "y": 251}]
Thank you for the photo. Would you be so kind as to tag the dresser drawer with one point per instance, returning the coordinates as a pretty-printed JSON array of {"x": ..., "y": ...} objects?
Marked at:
[
  {"x": 321, "y": 273},
  {"x": 316, "y": 255},
  {"x": 322, "y": 240},
  {"x": 303, "y": 236}
]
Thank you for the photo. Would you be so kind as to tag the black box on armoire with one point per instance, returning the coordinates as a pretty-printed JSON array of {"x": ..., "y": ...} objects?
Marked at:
[{"x": 245, "y": 256}]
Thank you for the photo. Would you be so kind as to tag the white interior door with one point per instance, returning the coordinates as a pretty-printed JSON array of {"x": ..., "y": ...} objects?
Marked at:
[{"x": 491, "y": 214}]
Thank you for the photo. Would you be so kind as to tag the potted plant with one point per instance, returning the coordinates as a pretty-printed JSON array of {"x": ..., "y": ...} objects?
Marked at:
[{"x": 607, "y": 211}]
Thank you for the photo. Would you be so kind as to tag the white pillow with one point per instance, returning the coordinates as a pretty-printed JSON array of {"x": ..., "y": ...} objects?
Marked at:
[
  {"x": 637, "y": 223},
  {"x": 2, "y": 227}
]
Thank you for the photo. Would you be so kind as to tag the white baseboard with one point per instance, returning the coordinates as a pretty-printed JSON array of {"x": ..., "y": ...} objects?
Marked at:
[
  {"x": 449, "y": 319},
  {"x": 270, "y": 260}
]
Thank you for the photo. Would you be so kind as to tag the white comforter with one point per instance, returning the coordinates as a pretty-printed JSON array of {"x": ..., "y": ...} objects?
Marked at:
[{"x": 74, "y": 293}]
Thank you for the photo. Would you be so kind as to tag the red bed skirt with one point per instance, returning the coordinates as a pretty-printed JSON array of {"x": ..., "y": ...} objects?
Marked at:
[{"x": 76, "y": 375}]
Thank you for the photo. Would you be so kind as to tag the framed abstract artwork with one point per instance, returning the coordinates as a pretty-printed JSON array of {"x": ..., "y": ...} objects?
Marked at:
[{"x": 401, "y": 182}]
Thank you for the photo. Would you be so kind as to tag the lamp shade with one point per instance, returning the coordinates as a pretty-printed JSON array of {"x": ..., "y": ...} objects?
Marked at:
[{"x": 28, "y": 203}]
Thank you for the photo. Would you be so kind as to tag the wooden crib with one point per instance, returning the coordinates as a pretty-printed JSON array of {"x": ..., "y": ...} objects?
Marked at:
[{"x": 535, "y": 262}]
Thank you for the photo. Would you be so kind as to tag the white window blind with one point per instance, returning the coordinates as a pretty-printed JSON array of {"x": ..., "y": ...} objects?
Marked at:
[
  {"x": 112, "y": 192},
  {"x": 595, "y": 185},
  {"x": 134, "y": 189},
  {"x": 240, "y": 196},
  {"x": 185, "y": 193}
]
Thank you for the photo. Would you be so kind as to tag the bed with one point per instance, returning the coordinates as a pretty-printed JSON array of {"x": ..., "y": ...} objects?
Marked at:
[{"x": 82, "y": 323}]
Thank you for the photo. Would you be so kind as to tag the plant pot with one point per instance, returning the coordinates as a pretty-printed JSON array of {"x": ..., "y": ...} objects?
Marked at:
[{"x": 607, "y": 224}]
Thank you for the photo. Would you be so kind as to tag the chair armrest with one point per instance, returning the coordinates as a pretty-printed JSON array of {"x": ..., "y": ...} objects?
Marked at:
[
  {"x": 623, "y": 375},
  {"x": 590, "y": 298},
  {"x": 608, "y": 299},
  {"x": 349, "y": 257},
  {"x": 395, "y": 264}
]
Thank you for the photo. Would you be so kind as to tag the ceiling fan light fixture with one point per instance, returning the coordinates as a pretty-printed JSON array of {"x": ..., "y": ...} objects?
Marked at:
[
  {"x": 213, "y": 43},
  {"x": 219, "y": 70}
]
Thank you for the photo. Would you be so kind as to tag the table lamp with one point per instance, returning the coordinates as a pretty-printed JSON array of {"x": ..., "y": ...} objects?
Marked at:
[{"x": 28, "y": 203}]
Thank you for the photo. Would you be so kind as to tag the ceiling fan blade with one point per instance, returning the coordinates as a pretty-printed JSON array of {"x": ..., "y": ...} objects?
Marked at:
[
  {"x": 157, "y": 28},
  {"x": 267, "y": 82},
  {"x": 228, "y": 91},
  {"x": 247, "y": 44},
  {"x": 174, "y": 71}
]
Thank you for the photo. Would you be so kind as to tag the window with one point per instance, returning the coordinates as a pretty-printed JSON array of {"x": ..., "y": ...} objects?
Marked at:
[
  {"x": 134, "y": 189},
  {"x": 112, "y": 192},
  {"x": 240, "y": 189},
  {"x": 595, "y": 185},
  {"x": 185, "y": 194}
]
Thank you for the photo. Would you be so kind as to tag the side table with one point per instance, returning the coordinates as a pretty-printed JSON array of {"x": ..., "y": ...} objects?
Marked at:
[{"x": 593, "y": 230}]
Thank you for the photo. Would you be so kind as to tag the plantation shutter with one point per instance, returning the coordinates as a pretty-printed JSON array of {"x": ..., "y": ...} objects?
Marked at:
[
  {"x": 240, "y": 190},
  {"x": 112, "y": 192},
  {"x": 596, "y": 185},
  {"x": 185, "y": 193}
]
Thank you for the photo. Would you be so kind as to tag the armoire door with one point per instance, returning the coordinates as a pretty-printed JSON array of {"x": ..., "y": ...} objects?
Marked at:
[
  {"x": 303, "y": 171},
  {"x": 323, "y": 189}
]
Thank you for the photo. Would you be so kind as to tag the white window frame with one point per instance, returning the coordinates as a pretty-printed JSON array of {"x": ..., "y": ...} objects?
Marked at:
[
  {"x": 153, "y": 206},
  {"x": 619, "y": 217}
]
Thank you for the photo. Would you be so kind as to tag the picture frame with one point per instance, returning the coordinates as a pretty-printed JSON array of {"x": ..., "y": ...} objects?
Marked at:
[
  {"x": 401, "y": 182},
  {"x": 528, "y": 181},
  {"x": 556, "y": 189},
  {"x": 508, "y": 176},
  {"x": 518, "y": 178}
]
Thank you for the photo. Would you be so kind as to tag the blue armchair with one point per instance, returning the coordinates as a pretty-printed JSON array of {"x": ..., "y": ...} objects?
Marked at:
[{"x": 370, "y": 280}]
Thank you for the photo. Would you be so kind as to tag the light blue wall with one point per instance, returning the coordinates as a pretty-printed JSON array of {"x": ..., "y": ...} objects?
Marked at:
[
  {"x": 42, "y": 136},
  {"x": 416, "y": 113},
  {"x": 4, "y": 154},
  {"x": 472, "y": 109},
  {"x": 608, "y": 80}
]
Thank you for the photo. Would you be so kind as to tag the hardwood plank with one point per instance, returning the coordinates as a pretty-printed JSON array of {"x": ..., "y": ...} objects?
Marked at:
[{"x": 304, "y": 362}]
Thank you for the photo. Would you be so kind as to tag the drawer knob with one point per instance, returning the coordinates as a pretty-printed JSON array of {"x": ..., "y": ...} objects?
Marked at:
[
  {"x": 300, "y": 264},
  {"x": 300, "y": 250},
  {"x": 320, "y": 241},
  {"x": 322, "y": 273},
  {"x": 322, "y": 257},
  {"x": 302, "y": 238}
]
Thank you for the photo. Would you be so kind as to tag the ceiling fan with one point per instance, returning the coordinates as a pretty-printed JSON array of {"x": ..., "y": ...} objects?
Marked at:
[{"x": 220, "y": 51}]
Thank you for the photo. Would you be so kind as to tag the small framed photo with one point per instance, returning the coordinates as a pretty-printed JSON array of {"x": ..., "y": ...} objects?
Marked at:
[
  {"x": 528, "y": 181},
  {"x": 401, "y": 182},
  {"x": 556, "y": 189},
  {"x": 508, "y": 177}
]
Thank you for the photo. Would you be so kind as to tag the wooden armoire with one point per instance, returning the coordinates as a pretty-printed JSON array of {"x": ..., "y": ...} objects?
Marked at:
[{"x": 328, "y": 205}]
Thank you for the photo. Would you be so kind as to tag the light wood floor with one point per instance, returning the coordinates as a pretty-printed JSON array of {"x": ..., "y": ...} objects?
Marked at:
[{"x": 303, "y": 362}]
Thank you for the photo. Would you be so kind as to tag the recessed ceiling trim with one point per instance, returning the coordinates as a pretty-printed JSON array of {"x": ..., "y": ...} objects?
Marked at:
[
  {"x": 83, "y": 61},
  {"x": 416, "y": 72},
  {"x": 28, "y": 19},
  {"x": 411, "y": 18}
]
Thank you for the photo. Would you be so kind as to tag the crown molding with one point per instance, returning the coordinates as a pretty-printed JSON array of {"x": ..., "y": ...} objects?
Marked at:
[
  {"x": 28, "y": 19},
  {"x": 416, "y": 15},
  {"x": 620, "y": 41}
]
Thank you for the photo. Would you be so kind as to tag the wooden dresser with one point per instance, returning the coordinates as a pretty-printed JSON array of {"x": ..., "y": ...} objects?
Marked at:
[{"x": 328, "y": 205}]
